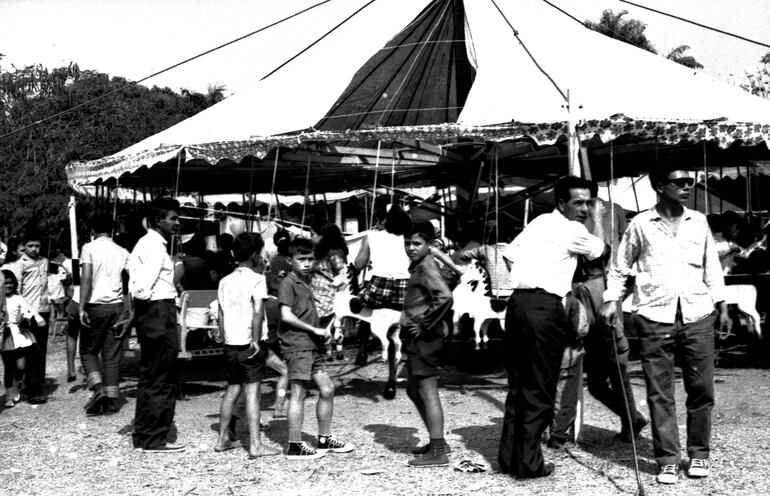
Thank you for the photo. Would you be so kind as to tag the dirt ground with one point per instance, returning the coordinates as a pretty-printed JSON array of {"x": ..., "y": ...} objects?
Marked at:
[{"x": 55, "y": 449}]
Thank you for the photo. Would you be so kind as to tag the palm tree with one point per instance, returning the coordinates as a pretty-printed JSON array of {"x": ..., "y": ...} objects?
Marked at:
[
  {"x": 629, "y": 31},
  {"x": 215, "y": 93},
  {"x": 678, "y": 56}
]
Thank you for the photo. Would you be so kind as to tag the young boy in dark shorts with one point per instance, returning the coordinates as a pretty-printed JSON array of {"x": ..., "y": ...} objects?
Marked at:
[
  {"x": 303, "y": 344},
  {"x": 423, "y": 328},
  {"x": 240, "y": 297}
]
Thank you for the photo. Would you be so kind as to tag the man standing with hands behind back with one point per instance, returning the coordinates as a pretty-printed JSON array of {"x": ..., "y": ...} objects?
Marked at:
[
  {"x": 152, "y": 283},
  {"x": 680, "y": 293}
]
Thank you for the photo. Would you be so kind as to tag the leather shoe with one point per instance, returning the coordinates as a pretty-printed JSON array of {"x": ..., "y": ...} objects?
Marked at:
[{"x": 547, "y": 470}]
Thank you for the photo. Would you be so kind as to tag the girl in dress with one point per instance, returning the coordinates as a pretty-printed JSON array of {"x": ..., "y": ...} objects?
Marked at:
[
  {"x": 16, "y": 337},
  {"x": 329, "y": 273}
]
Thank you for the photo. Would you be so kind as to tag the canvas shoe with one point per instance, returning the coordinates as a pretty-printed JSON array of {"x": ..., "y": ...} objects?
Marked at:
[
  {"x": 425, "y": 448},
  {"x": 165, "y": 448},
  {"x": 302, "y": 451},
  {"x": 667, "y": 474},
  {"x": 433, "y": 458},
  {"x": 331, "y": 444},
  {"x": 699, "y": 467}
]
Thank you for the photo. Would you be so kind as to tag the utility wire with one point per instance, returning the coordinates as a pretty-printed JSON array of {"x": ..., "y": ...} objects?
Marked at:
[
  {"x": 711, "y": 28},
  {"x": 516, "y": 34},
  {"x": 134, "y": 83},
  {"x": 318, "y": 40}
]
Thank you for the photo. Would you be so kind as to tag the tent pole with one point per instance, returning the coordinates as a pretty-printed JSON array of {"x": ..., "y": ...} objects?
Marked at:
[
  {"x": 74, "y": 241},
  {"x": 307, "y": 184},
  {"x": 179, "y": 158},
  {"x": 526, "y": 211},
  {"x": 272, "y": 186},
  {"x": 393, "y": 174},
  {"x": 706, "y": 202},
  {"x": 374, "y": 189},
  {"x": 572, "y": 152},
  {"x": 251, "y": 194}
]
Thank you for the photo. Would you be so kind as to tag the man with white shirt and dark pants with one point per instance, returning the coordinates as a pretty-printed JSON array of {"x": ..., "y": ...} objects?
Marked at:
[
  {"x": 152, "y": 285},
  {"x": 543, "y": 260},
  {"x": 101, "y": 305},
  {"x": 680, "y": 290}
]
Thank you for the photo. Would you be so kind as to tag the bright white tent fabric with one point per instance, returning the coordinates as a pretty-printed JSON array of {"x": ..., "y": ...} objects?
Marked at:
[{"x": 605, "y": 77}]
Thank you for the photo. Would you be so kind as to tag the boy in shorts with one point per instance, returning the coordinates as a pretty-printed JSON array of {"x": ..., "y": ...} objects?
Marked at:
[
  {"x": 423, "y": 328},
  {"x": 240, "y": 299},
  {"x": 303, "y": 344}
]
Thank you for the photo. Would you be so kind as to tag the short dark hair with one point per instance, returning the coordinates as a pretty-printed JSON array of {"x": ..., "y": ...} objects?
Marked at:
[
  {"x": 397, "y": 221},
  {"x": 331, "y": 239},
  {"x": 729, "y": 218},
  {"x": 561, "y": 191},
  {"x": 10, "y": 276},
  {"x": 159, "y": 208},
  {"x": 31, "y": 235},
  {"x": 422, "y": 228},
  {"x": 247, "y": 244},
  {"x": 660, "y": 172},
  {"x": 301, "y": 246},
  {"x": 101, "y": 222}
]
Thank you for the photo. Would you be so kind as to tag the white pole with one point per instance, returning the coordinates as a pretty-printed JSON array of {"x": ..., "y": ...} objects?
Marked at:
[
  {"x": 74, "y": 242},
  {"x": 572, "y": 140}
]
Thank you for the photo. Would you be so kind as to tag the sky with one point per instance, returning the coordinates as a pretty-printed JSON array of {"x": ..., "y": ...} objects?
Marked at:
[{"x": 134, "y": 38}]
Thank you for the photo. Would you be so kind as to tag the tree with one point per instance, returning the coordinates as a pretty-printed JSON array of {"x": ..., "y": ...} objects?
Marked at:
[
  {"x": 630, "y": 31},
  {"x": 758, "y": 83},
  {"x": 33, "y": 187},
  {"x": 678, "y": 56}
]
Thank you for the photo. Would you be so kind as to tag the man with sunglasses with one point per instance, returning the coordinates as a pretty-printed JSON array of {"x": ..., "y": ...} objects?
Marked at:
[{"x": 679, "y": 288}]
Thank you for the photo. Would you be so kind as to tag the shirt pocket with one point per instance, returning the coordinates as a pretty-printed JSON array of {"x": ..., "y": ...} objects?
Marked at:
[{"x": 693, "y": 253}]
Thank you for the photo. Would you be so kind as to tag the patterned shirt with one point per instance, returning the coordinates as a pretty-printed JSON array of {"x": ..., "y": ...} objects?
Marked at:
[
  {"x": 240, "y": 296},
  {"x": 322, "y": 281},
  {"x": 672, "y": 269}
]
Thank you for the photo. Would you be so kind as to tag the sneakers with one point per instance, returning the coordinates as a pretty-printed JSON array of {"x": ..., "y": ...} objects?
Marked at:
[
  {"x": 667, "y": 474},
  {"x": 331, "y": 444},
  {"x": 699, "y": 467},
  {"x": 302, "y": 451},
  {"x": 641, "y": 423},
  {"x": 425, "y": 448},
  {"x": 435, "y": 457}
]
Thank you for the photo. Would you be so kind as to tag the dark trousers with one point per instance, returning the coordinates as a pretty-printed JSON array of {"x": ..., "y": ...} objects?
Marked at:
[
  {"x": 606, "y": 366},
  {"x": 35, "y": 366},
  {"x": 536, "y": 331},
  {"x": 692, "y": 345},
  {"x": 99, "y": 339},
  {"x": 156, "y": 391}
]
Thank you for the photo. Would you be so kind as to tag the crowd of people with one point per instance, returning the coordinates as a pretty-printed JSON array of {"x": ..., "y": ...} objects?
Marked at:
[{"x": 563, "y": 279}]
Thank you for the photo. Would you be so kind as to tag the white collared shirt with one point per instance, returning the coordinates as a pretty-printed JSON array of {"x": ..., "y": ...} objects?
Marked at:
[
  {"x": 240, "y": 296},
  {"x": 33, "y": 281},
  {"x": 672, "y": 269},
  {"x": 545, "y": 254},
  {"x": 151, "y": 270}
]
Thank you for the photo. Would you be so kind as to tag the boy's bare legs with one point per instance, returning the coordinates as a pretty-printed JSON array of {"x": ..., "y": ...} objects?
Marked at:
[
  {"x": 275, "y": 363},
  {"x": 71, "y": 349},
  {"x": 324, "y": 408},
  {"x": 225, "y": 414},
  {"x": 413, "y": 391},
  {"x": 253, "y": 398},
  {"x": 434, "y": 413},
  {"x": 296, "y": 411}
]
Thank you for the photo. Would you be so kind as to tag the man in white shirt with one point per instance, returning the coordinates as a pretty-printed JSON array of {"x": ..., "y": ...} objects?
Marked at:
[
  {"x": 152, "y": 285},
  {"x": 543, "y": 259},
  {"x": 680, "y": 292},
  {"x": 102, "y": 264}
]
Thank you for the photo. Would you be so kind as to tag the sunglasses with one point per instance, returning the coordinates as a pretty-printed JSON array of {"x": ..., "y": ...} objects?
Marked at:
[{"x": 681, "y": 182}]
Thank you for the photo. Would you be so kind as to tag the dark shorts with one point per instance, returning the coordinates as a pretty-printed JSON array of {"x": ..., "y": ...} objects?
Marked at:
[
  {"x": 244, "y": 370},
  {"x": 303, "y": 364},
  {"x": 274, "y": 346},
  {"x": 422, "y": 356}
]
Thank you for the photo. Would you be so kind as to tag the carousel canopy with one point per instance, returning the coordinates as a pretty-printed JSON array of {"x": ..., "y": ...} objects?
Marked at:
[{"x": 456, "y": 74}]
